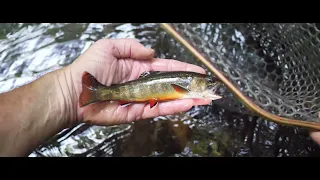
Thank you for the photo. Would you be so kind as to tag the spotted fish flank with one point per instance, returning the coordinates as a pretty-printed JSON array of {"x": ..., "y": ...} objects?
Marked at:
[{"x": 151, "y": 87}]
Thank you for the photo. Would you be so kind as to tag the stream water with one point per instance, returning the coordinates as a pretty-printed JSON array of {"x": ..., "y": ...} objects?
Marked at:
[{"x": 30, "y": 50}]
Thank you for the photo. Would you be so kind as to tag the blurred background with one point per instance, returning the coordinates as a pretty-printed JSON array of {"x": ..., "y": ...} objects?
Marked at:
[{"x": 30, "y": 50}]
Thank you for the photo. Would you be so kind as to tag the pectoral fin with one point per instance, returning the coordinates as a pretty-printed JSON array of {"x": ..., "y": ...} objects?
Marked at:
[{"x": 179, "y": 89}]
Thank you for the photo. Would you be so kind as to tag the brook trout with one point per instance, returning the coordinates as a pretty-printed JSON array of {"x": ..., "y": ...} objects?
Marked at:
[{"x": 152, "y": 87}]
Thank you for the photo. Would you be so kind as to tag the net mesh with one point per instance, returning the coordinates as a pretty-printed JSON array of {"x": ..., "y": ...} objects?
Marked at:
[{"x": 275, "y": 65}]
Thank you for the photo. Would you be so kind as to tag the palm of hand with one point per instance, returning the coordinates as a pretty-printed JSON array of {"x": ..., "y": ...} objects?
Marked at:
[{"x": 118, "y": 61}]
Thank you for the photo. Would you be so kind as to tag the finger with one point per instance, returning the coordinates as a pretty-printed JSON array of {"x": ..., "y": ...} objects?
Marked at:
[
  {"x": 174, "y": 65},
  {"x": 167, "y": 108},
  {"x": 97, "y": 113},
  {"x": 315, "y": 136},
  {"x": 200, "y": 102},
  {"x": 163, "y": 108},
  {"x": 128, "y": 48}
]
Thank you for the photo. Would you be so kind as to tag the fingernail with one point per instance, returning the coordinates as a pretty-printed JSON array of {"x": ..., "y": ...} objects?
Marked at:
[{"x": 151, "y": 50}]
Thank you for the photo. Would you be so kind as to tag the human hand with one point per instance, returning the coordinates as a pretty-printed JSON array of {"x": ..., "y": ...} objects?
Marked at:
[
  {"x": 117, "y": 61},
  {"x": 315, "y": 135}
]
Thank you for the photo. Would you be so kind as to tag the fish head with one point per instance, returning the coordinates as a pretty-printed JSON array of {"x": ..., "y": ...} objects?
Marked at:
[{"x": 205, "y": 86}]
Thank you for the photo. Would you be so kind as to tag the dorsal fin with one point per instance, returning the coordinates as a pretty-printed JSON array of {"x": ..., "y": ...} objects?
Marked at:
[{"x": 147, "y": 73}]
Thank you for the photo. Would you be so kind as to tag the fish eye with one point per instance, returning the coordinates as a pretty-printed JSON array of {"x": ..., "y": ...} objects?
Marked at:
[{"x": 210, "y": 80}]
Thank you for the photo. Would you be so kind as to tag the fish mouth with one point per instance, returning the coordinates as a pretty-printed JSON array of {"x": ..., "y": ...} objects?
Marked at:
[
  {"x": 214, "y": 97},
  {"x": 212, "y": 92}
]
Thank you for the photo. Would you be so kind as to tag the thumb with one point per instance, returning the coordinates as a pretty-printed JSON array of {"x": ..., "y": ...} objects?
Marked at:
[{"x": 128, "y": 48}]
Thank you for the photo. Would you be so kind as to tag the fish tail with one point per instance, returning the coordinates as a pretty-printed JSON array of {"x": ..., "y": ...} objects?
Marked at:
[{"x": 89, "y": 92}]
